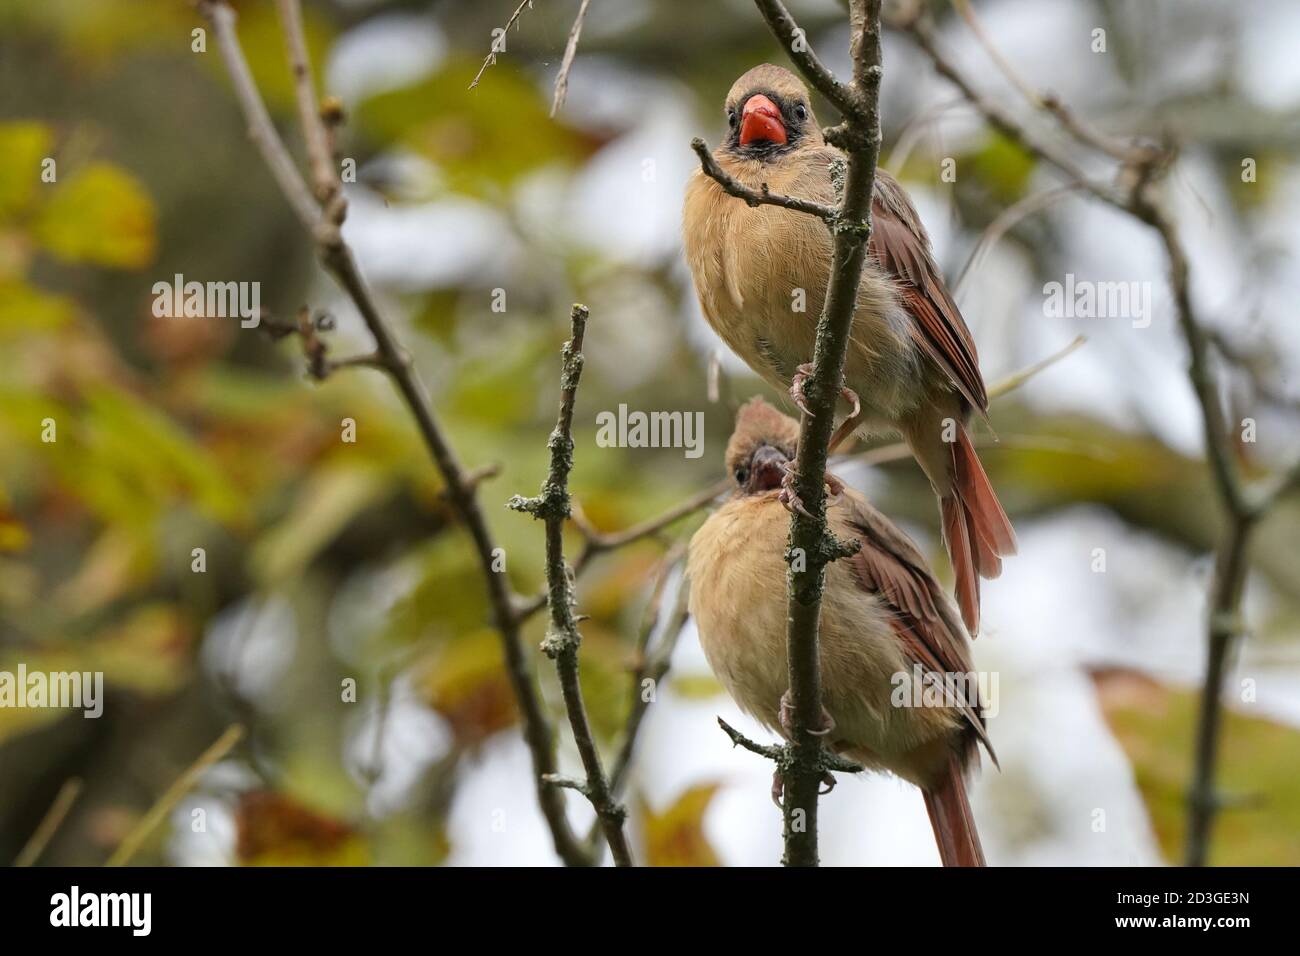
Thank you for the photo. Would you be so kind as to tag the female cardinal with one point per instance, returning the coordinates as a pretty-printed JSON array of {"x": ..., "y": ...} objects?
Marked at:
[
  {"x": 761, "y": 275},
  {"x": 884, "y": 619}
]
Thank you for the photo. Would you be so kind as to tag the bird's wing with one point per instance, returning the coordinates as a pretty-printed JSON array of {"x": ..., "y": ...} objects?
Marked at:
[
  {"x": 900, "y": 244},
  {"x": 890, "y": 566}
]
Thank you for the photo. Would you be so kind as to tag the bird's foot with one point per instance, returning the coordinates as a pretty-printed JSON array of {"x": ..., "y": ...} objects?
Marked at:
[
  {"x": 790, "y": 498},
  {"x": 801, "y": 375},
  {"x": 787, "y": 719},
  {"x": 796, "y": 388},
  {"x": 778, "y": 787}
]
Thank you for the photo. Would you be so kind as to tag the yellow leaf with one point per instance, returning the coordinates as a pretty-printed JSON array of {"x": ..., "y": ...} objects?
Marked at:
[
  {"x": 676, "y": 837},
  {"x": 22, "y": 147},
  {"x": 101, "y": 215},
  {"x": 24, "y": 308}
]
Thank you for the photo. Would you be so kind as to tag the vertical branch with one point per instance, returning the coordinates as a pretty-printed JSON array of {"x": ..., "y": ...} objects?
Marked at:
[
  {"x": 393, "y": 359},
  {"x": 810, "y": 538},
  {"x": 562, "y": 637}
]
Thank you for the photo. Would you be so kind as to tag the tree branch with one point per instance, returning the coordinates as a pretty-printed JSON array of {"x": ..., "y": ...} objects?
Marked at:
[
  {"x": 562, "y": 637},
  {"x": 338, "y": 260}
]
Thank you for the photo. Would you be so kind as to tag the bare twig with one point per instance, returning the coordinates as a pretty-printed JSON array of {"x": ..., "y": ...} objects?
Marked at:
[
  {"x": 570, "y": 51},
  {"x": 319, "y": 153},
  {"x": 491, "y": 58},
  {"x": 50, "y": 823},
  {"x": 757, "y": 197},
  {"x": 1018, "y": 378},
  {"x": 562, "y": 636},
  {"x": 173, "y": 795},
  {"x": 596, "y": 543},
  {"x": 1049, "y": 102},
  {"x": 796, "y": 44},
  {"x": 338, "y": 260},
  {"x": 1005, "y": 222}
]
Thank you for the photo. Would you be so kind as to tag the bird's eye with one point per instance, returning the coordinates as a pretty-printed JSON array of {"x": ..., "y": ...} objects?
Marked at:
[
  {"x": 731, "y": 117},
  {"x": 801, "y": 111},
  {"x": 742, "y": 475}
]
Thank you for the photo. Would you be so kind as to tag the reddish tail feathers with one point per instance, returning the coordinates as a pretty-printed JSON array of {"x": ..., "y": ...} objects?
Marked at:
[
  {"x": 975, "y": 528},
  {"x": 950, "y": 816}
]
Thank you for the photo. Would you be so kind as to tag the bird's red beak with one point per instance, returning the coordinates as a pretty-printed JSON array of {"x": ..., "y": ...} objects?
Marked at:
[{"x": 760, "y": 121}]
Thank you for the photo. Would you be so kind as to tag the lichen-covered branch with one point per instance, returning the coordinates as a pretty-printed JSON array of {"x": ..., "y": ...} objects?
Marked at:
[{"x": 562, "y": 636}]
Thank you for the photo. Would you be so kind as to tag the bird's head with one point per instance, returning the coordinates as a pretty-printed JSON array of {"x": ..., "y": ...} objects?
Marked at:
[
  {"x": 763, "y": 442},
  {"x": 769, "y": 114}
]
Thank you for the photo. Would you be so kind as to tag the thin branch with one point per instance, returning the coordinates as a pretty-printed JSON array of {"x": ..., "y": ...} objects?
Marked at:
[
  {"x": 562, "y": 636},
  {"x": 319, "y": 154},
  {"x": 796, "y": 44},
  {"x": 260, "y": 128},
  {"x": 1018, "y": 378},
  {"x": 337, "y": 258},
  {"x": 128, "y": 848},
  {"x": 1049, "y": 102},
  {"x": 1004, "y": 222},
  {"x": 597, "y": 543},
  {"x": 912, "y": 19},
  {"x": 491, "y": 58},
  {"x": 652, "y": 665},
  {"x": 50, "y": 823},
  {"x": 570, "y": 51},
  {"x": 757, "y": 197}
]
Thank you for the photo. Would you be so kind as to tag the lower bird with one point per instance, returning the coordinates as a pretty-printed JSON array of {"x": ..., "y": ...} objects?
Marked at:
[
  {"x": 761, "y": 275},
  {"x": 884, "y": 620}
]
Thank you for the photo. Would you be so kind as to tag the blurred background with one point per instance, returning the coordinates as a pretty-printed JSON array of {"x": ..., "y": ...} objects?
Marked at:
[{"x": 328, "y": 560}]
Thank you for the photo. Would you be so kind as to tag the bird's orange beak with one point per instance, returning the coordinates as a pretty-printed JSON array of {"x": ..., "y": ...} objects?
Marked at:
[{"x": 760, "y": 121}]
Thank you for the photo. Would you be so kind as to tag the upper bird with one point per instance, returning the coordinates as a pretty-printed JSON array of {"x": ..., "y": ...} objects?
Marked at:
[{"x": 761, "y": 275}]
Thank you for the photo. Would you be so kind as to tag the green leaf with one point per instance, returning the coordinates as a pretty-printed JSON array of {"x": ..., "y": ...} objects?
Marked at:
[{"x": 481, "y": 138}]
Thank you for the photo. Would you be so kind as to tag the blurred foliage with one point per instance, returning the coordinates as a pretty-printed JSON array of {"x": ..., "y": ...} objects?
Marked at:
[{"x": 1259, "y": 824}]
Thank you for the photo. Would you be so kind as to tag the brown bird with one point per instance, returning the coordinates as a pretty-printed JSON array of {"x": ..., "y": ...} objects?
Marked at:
[
  {"x": 761, "y": 275},
  {"x": 883, "y": 617}
]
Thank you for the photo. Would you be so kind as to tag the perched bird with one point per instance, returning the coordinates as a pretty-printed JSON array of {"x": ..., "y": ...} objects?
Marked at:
[
  {"x": 883, "y": 615},
  {"x": 761, "y": 275}
]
